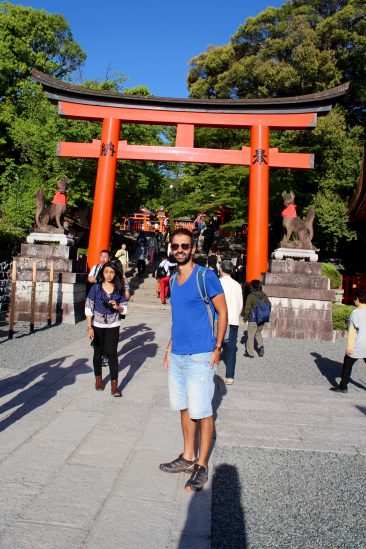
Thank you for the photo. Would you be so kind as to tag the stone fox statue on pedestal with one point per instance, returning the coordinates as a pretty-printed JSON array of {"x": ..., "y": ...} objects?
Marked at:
[
  {"x": 303, "y": 230},
  {"x": 54, "y": 211}
]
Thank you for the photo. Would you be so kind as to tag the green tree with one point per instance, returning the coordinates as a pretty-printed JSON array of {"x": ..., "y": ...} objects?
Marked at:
[
  {"x": 30, "y": 126},
  {"x": 302, "y": 47},
  {"x": 30, "y": 39}
]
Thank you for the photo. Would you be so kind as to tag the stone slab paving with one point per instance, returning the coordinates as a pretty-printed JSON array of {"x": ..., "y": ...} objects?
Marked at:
[{"x": 79, "y": 468}]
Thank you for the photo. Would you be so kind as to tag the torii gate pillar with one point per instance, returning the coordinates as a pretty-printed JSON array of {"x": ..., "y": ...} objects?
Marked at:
[
  {"x": 257, "y": 243},
  {"x": 101, "y": 224}
]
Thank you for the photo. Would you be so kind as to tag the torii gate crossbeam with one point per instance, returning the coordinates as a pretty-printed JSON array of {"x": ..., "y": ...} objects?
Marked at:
[{"x": 114, "y": 110}]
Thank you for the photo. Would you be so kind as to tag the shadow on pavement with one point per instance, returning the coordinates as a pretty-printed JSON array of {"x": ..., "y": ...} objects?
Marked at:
[
  {"x": 227, "y": 514},
  {"x": 135, "y": 351},
  {"x": 220, "y": 392},
  {"x": 53, "y": 378},
  {"x": 362, "y": 409},
  {"x": 130, "y": 331},
  {"x": 332, "y": 369}
]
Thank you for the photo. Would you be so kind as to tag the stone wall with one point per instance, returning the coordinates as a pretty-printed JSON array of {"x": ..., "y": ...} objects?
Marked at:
[
  {"x": 69, "y": 287},
  {"x": 4, "y": 288},
  {"x": 301, "y": 300}
]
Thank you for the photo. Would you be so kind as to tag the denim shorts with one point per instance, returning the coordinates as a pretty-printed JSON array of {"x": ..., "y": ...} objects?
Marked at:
[{"x": 191, "y": 384}]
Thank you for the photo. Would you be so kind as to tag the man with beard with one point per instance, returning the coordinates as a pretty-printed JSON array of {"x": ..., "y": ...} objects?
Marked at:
[{"x": 191, "y": 356}]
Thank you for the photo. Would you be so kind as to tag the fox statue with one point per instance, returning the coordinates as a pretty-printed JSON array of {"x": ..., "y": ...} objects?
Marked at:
[
  {"x": 46, "y": 214},
  {"x": 303, "y": 230}
]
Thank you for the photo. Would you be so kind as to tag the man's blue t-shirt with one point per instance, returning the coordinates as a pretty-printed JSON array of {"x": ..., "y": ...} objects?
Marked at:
[{"x": 191, "y": 329}]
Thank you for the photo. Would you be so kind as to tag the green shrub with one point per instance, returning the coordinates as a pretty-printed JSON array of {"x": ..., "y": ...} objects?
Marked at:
[
  {"x": 10, "y": 241},
  {"x": 340, "y": 316},
  {"x": 333, "y": 274}
]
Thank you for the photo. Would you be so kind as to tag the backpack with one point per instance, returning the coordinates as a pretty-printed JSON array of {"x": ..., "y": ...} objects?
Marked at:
[
  {"x": 201, "y": 286},
  {"x": 260, "y": 312},
  {"x": 161, "y": 272}
]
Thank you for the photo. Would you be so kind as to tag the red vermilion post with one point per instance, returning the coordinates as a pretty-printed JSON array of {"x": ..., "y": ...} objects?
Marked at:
[
  {"x": 257, "y": 243},
  {"x": 101, "y": 223}
]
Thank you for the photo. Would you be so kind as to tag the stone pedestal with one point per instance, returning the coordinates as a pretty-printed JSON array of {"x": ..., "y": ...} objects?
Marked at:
[
  {"x": 295, "y": 253},
  {"x": 69, "y": 287},
  {"x": 301, "y": 300},
  {"x": 43, "y": 238}
]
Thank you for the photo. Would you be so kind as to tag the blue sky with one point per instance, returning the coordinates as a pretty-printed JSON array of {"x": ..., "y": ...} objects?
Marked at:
[{"x": 150, "y": 43}]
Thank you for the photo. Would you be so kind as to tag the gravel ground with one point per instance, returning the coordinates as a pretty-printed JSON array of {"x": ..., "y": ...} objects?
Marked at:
[
  {"x": 296, "y": 361},
  {"x": 25, "y": 348},
  {"x": 288, "y": 499}
]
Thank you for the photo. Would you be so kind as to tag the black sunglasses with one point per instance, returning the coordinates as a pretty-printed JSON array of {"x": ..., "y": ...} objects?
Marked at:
[{"x": 184, "y": 246}]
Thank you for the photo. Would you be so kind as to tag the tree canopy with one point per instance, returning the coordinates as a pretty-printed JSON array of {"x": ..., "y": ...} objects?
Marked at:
[
  {"x": 302, "y": 47},
  {"x": 31, "y": 127}
]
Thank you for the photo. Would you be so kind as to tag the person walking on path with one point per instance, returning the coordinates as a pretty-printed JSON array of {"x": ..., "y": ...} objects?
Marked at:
[
  {"x": 234, "y": 300},
  {"x": 152, "y": 248},
  {"x": 254, "y": 328},
  {"x": 209, "y": 237},
  {"x": 356, "y": 342},
  {"x": 104, "y": 256},
  {"x": 140, "y": 256},
  {"x": 123, "y": 257},
  {"x": 163, "y": 273},
  {"x": 105, "y": 303},
  {"x": 215, "y": 252},
  {"x": 191, "y": 356}
]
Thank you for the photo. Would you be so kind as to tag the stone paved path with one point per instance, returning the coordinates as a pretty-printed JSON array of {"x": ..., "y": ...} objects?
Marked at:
[{"x": 79, "y": 468}]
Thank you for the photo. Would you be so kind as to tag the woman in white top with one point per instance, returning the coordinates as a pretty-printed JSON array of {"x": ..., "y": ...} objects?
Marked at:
[{"x": 356, "y": 343}]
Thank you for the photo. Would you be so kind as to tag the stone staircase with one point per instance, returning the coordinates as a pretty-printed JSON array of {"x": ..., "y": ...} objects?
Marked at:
[{"x": 143, "y": 293}]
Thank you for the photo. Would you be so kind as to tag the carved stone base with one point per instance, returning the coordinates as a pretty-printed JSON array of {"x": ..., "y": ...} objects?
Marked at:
[
  {"x": 42, "y": 238},
  {"x": 49, "y": 229},
  {"x": 69, "y": 285},
  {"x": 68, "y": 302},
  {"x": 301, "y": 301},
  {"x": 282, "y": 253}
]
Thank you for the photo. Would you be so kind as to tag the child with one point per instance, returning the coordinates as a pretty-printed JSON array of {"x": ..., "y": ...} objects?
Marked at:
[{"x": 356, "y": 344}]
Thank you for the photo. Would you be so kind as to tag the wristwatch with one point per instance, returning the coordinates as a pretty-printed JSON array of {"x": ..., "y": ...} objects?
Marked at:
[{"x": 217, "y": 348}]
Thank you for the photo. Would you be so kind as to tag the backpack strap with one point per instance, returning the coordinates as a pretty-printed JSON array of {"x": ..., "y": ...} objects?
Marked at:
[
  {"x": 201, "y": 285},
  {"x": 171, "y": 281}
]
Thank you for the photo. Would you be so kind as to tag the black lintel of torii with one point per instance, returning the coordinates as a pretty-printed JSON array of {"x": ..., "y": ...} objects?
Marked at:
[{"x": 318, "y": 102}]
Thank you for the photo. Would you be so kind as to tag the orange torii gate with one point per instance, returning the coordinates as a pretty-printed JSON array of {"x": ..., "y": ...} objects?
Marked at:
[{"x": 260, "y": 115}]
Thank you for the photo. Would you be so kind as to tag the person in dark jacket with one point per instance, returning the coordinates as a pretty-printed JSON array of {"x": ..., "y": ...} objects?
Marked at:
[{"x": 254, "y": 330}]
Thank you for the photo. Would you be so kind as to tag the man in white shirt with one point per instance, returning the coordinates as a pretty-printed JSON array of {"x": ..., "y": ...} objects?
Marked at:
[
  {"x": 234, "y": 300},
  {"x": 104, "y": 256}
]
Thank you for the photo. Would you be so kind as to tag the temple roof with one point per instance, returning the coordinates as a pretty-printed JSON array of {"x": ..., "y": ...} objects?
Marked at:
[{"x": 319, "y": 102}]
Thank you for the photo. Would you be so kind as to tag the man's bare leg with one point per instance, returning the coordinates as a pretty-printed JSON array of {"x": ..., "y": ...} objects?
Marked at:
[
  {"x": 189, "y": 433},
  {"x": 205, "y": 439}
]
